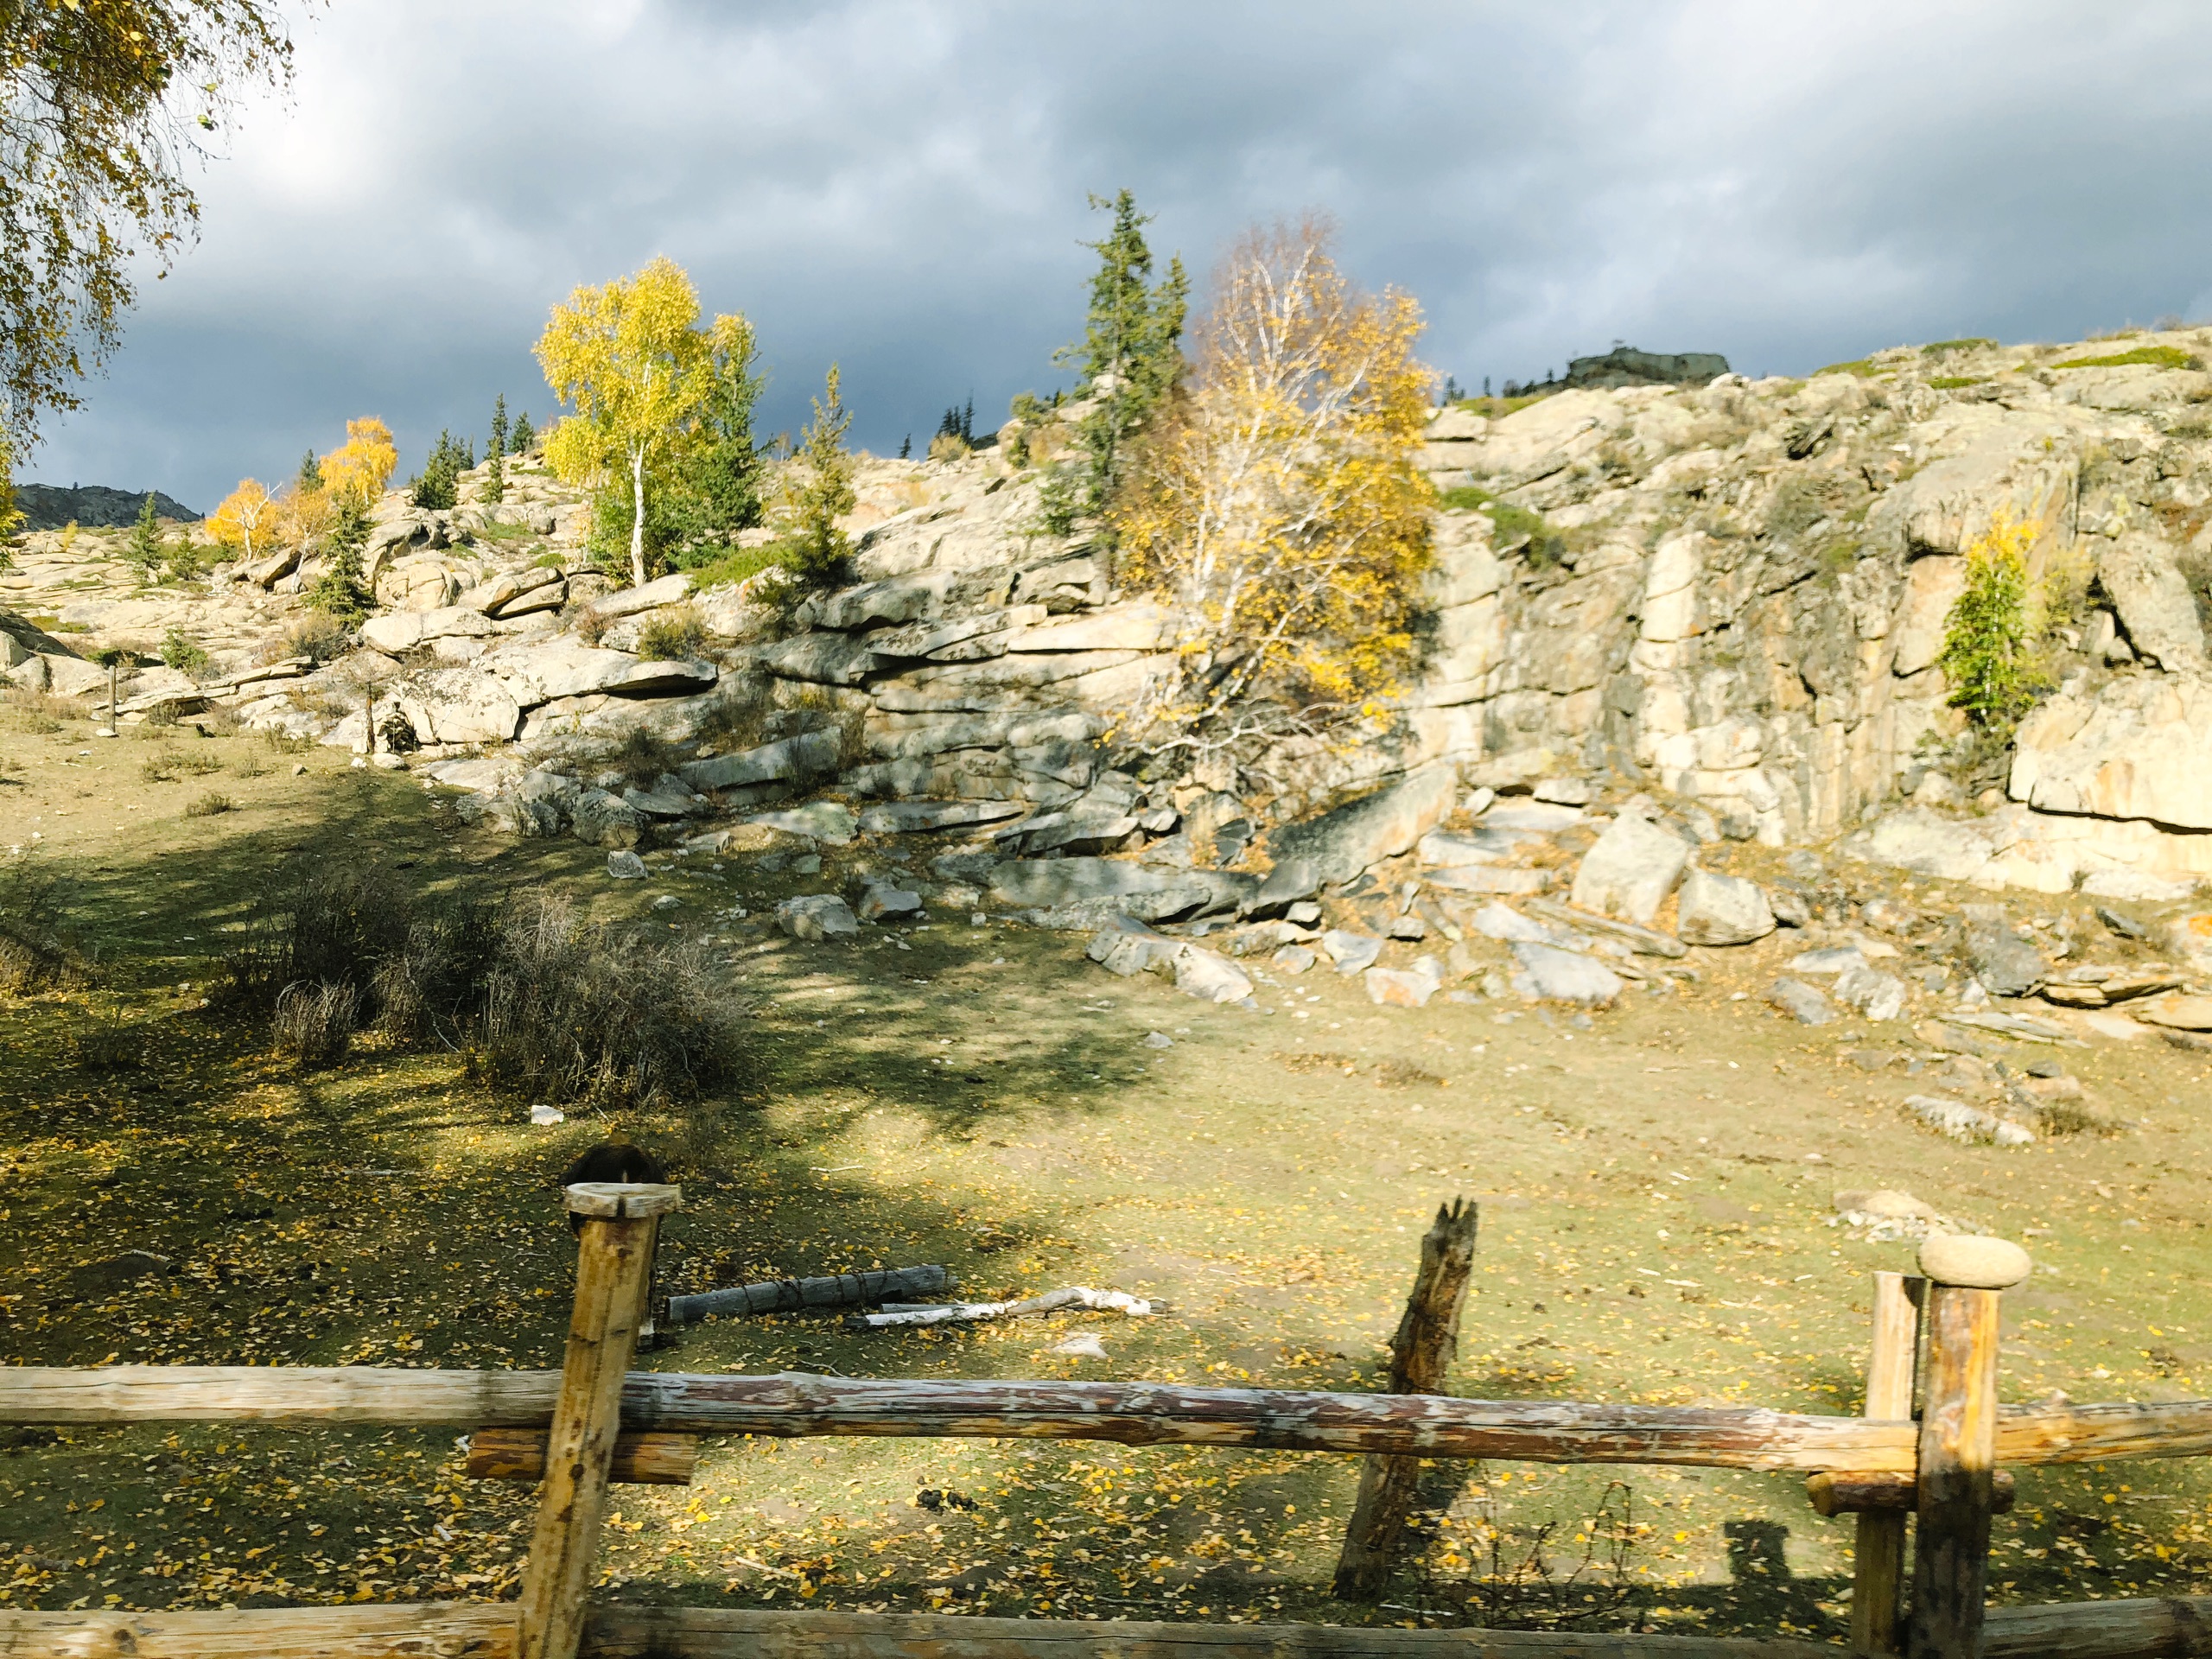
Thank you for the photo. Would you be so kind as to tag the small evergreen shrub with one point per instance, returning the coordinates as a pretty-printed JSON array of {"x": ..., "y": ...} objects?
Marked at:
[{"x": 186, "y": 655}]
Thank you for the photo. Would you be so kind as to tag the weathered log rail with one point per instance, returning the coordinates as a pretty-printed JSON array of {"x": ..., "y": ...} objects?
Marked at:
[
  {"x": 596, "y": 1422},
  {"x": 798, "y": 1404}
]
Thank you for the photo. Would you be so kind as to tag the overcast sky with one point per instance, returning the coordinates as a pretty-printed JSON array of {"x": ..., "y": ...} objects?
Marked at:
[{"x": 899, "y": 185}]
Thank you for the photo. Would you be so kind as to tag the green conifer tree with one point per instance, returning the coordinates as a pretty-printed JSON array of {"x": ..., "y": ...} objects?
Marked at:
[
  {"x": 143, "y": 552},
  {"x": 341, "y": 588},
  {"x": 495, "y": 487},
  {"x": 1131, "y": 356},
  {"x": 310, "y": 473},
  {"x": 524, "y": 435},
  {"x": 824, "y": 492}
]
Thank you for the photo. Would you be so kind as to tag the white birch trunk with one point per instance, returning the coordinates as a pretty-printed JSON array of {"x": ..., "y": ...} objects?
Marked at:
[{"x": 638, "y": 515}]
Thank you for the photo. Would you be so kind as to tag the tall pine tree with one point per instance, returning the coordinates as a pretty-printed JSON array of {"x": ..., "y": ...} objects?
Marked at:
[
  {"x": 1129, "y": 356},
  {"x": 495, "y": 486}
]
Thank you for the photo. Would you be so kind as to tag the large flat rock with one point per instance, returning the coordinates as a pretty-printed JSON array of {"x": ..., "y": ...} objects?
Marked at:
[
  {"x": 1341, "y": 842},
  {"x": 2140, "y": 747}
]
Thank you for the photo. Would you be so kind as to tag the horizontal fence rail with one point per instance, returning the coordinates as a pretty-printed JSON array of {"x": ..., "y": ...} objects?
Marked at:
[
  {"x": 794, "y": 1405},
  {"x": 2105, "y": 1630}
]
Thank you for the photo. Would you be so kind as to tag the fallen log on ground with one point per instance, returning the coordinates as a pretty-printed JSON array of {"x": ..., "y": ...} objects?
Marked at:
[
  {"x": 1051, "y": 1301},
  {"x": 795, "y": 1295}
]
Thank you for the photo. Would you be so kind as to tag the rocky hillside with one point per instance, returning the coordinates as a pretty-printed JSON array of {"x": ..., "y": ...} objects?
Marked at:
[
  {"x": 1728, "y": 598},
  {"x": 94, "y": 506}
]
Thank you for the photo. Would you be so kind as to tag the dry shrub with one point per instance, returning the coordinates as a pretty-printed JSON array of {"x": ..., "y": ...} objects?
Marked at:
[
  {"x": 547, "y": 1004},
  {"x": 590, "y": 624},
  {"x": 573, "y": 1011},
  {"x": 677, "y": 634},
  {"x": 39, "y": 946},
  {"x": 314, "y": 1023},
  {"x": 208, "y": 805}
]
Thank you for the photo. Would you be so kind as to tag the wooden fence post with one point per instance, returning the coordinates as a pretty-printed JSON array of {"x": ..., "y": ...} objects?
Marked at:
[
  {"x": 1958, "y": 1441},
  {"x": 613, "y": 1267},
  {"x": 1877, "y": 1563},
  {"x": 1420, "y": 1353}
]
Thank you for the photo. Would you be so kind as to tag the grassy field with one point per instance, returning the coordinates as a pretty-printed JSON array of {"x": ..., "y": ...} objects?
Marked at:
[{"x": 1657, "y": 1225}]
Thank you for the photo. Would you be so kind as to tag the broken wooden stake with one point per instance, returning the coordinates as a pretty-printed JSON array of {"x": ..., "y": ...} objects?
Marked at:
[
  {"x": 795, "y": 1295},
  {"x": 1420, "y": 1353}
]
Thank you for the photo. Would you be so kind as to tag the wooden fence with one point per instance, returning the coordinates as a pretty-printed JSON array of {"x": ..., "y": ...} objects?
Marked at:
[{"x": 595, "y": 1421}]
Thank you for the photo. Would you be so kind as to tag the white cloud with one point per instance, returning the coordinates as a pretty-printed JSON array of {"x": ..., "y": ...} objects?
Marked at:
[{"x": 900, "y": 186}]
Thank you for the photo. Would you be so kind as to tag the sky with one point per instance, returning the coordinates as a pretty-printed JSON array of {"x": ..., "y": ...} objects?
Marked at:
[{"x": 900, "y": 186}]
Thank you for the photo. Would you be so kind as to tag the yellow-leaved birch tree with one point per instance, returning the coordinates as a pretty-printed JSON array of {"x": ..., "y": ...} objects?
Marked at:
[
  {"x": 238, "y": 519},
  {"x": 358, "y": 468},
  {"x": 627, "y": 356},
  {"x": 1278, "y": 506}
]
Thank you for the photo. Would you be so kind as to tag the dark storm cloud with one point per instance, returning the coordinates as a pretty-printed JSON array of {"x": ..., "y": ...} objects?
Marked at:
[{"x": 901, "y": 187}]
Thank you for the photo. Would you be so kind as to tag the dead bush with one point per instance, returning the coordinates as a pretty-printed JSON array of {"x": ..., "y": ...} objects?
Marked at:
[
  {"x": 209, "y": 805},
  {"x": 314, "y": 1022},
  {"x": 40, "y": 945},
  {"x": 573, "y": 1011},
  {"x": 590, "y": 624},
  {"x": 320, "y": 926}
]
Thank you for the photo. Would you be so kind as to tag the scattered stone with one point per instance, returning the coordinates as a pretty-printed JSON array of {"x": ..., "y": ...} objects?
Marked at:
[
  {"x": 1126, "y": 946},
  {"x": 2126, "y": 926},
  {"x": 601, "y": 819},
  {"x": 1886, "y": 1214},
  {"x": 1292, "y": 884},
  {"x": 546, "y": 1117},
  {"x": 2014, "y": 1025},
  {"x": 1353, "y": 953},
  {"x": 1886, "y": 916},
  {"x": 1949, "y": 1039},
  {"x": 1790, "y": 907},
  {"x": 1082, "y": 1344},
  {"x": 808, "y": 753},
  {"x": 806, "y": 864},
  {"x": 910, "y": 818},
  {"x": 1716, "y": 909},
  {"x": 1875, "y": 994},
  {"x": 668, "y": 901},
  {"x": 1828, "y": 959},
  {"x": 1867, "y": 1059},
  {"x": 2044, "y": 1066},
  {"x": 1563, "y": 791},
  {"x": 817, "y": 916},
  {"x": 1304, "y": 913},
  {"x": 880, "y": 902},
  {"x": 1801, "y": 1001},
  {"x": 2117, "y": 1026},
  {"x": 1975, "y": 1263},
  {"x": 1488, "y": 878},
  {"x": 823, "y": 821},
  {"x": 1477, "y": 801},
  {"x": 1549, "y": 974},
  {"x": 1157, "y": 1040},
  {"x": 1409, "y": 927},
  {"x": 1963, "y": 1122},
  {"x": 1532, "y": 817},
  {"x": 1293, "y": 959},
  {"x": 1405, "y": 987},
  {"x": 2006, "y": 963},
  {"x": 1631, "y": 870},
  {"x": 625, "y": 867},
  {"x": 1200, "y": 972},
  {"x": 1098, "y": 885},
  {"x": 2176, "y": 1013}
]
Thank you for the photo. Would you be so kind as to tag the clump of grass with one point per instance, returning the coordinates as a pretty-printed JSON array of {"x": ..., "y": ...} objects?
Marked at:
[
  {"x": 573, "y": 1011},
  {"x": 1954, "y": 382},
  {"x": 2154, "y": 357},
  {"x": 248, "y": 767},
  {"x": 198, "y": 764},
  {"x": 313, "y": 1024},
  {"x": 159, "y": 768},
  {"x": 716, "y": 567},
  {"x": 545, "y": 1004},
  {"x": 1945, "y": 347},
  {"x": 677, "y": 634},
  {"x": 590, "y": 624},
  {"x": 209, "y": 805},
  {"x": 318, "y": 636},
  {"x": 40, "y": 945},
  {"x": 1865, "y": 367}
]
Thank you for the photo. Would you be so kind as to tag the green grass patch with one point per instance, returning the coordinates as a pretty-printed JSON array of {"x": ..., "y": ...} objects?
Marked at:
[
  {"x": 1494, "y": 408},
  {"x": 1466, "y": 499},
  {"x": 1945, "y": 347},
  {"x": 1953, "y": 382},
  {"x": 506, "y": 533},
  {"x": 712, "y": 566},
  {"x": 1864, "y": 367},
  {"x": 2148, "y": 357}
]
